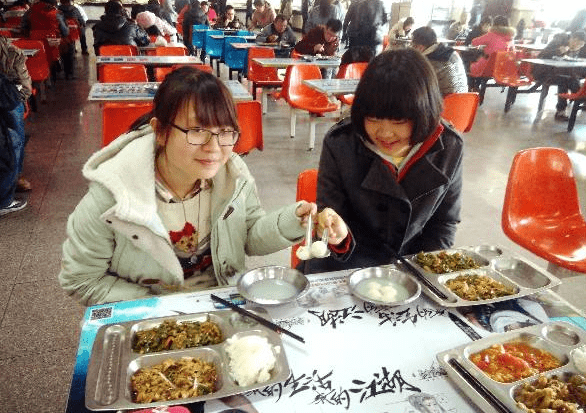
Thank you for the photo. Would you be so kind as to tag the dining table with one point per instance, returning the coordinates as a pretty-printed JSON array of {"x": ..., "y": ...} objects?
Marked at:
[
  {"x": 145, "y": 91},
  {"x": 333, "y": 87},
  {"x": 30, "y": 52},
  {"x": 283, "y": 62},
  {"x": 356, "y": 356},
  {"x": 148, "y": 60}
]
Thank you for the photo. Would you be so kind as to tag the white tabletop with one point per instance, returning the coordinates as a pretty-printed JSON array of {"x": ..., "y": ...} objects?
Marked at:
[
  {"x": 250, "y": 45},
  {"x": 30, "y": 52},
  {"x": 558, "y": 63},
  {"x": 333, "y": 86},
  {"x": 148, "y": 60},
  {"x": 221, "y": 36},
  {"x": 145, "y": 91},
  {"x": 532, "y": 46},
  {"x": 284, "y": 62}
]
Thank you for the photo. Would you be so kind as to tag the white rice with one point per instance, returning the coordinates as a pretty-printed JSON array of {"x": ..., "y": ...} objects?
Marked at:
[
  {"x": 579, "y": 357},
  {"x": 251, "y": 359}
]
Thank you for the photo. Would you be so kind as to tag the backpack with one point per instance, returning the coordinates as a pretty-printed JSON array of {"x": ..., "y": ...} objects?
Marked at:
[{"x": 9, "y": 96}]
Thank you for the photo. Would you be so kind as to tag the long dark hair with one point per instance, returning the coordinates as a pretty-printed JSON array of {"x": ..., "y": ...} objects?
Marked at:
[{"x": 399, "y": 84}]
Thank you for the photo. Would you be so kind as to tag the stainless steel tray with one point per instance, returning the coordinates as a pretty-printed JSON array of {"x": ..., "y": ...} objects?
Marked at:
[
  {"x": 113, "y": 362},
  {"x": 495, "y": 262},
  {"x": 557, "y": 337}
]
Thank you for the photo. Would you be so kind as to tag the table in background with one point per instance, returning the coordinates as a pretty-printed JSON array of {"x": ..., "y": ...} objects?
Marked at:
[
  {"x": 333, "y": 87},
  {"x": 357, "y": 357},
  {"x": 30, "y": 52},
  {"x": 282, "y": 62},
  {"x": 223, "y": 36},
  {"x": 145, "y": 91},
  {"x": 148, "y": 60},
  {"x": 562, "y": 66},
  {"x": 152, "y": 46}
]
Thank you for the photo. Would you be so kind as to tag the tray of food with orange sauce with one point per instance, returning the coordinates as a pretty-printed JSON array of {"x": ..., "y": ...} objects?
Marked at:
[
  {"x": 478, "y": 275},
  {"x": 524, "y": 370}
]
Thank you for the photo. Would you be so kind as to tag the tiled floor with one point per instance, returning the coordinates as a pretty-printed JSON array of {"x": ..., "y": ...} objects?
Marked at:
[{"x": 40, "y": 325}]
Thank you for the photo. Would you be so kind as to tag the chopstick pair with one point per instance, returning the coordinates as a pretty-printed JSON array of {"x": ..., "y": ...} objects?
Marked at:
[
  {"x": 258, "y": 318},
  {"x": 417, "y": 273}
]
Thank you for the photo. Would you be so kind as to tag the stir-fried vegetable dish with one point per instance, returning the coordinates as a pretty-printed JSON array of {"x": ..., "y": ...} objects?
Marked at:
[
  {"x": 171, "y": 335},
  {"x": 174, "y": 379},
  {"x": 553, "y": 395},
  {"x": 443, "y": 262},
  {"x": 513, "y": 361},
  {"x": 474, "y": 287}
]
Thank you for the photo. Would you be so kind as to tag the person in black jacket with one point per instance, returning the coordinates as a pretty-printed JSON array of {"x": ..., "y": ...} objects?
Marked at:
[
  {"x": 478, "y": 30},
  {"x": 365, "y": 23},
  {"x": 115, "y": 28},
  {"x": 194, "y": 15},
  {"x": 393, "y": 170}
]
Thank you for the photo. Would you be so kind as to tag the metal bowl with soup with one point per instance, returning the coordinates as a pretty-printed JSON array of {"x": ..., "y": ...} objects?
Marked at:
[
  {"x": 383, "y": 286},
  {"x": 272, "y": 285}
]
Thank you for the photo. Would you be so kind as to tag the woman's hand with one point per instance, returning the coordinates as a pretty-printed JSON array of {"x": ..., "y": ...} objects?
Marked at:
[
  {"x": 337, "y": 228},
  {"x": 304, "y": 210}
]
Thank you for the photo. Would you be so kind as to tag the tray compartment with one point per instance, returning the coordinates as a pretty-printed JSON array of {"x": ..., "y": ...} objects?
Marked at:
[
  {"x": 563, "y": 376},
  {"x": 478, "y": 259},
  {"x": 443, "y": 279},
  {"x": 108, "y": 377},
  {"x": 488, "y": 251},
  {"x": 521, "y": 272}
]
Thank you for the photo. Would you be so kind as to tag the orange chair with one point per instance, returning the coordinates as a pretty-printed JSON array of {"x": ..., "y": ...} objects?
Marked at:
[
  {"x": 306, "y": 191},
  {"x": 386, "y": 41},
  {"x": 117, "y": 118},
  {"x": 119, "y": 73},
  {"x": 161, "y": 72},
  {"x": 171, "y": 51},
  {"x": 263, "y": 77},
  {"x": 295, "y": 54},
  {"x": 250, "y": 122},
  {"x": 485, "y": 77},
  {"x": 506, "y": 73},
  {"x": 350, "y": 71},
  {"x": 118, "y": 50},
  {"x": 579, "y": 103},
  {"x": 37, "y": 66},
  {"x": 300, "y": 96},
  {"x": 541, "y": 211},
  {"x": 460, "y": 110}
]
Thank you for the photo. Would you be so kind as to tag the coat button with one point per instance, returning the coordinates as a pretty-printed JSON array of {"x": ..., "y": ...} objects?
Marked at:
[
  {"x": 108, "y": 221},
  {"x": 135, "y": 237}
]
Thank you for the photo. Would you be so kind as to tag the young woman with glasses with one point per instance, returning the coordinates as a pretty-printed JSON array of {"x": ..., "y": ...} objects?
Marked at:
[{"x": 170, "y": 207}]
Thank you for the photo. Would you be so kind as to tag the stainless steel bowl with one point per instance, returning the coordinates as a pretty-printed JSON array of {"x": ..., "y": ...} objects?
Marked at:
[
  {"x": 272, "y": 285},
  {"x": 412, "y": 287}
]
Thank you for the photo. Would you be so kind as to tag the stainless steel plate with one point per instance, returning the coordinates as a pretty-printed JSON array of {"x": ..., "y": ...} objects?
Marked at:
[
  {"x": 497, "y": 263},
  {"x": 408, "y": 288},
  {"x": 113, "y": 362},
  {"x": 558, "y": 338},
  {"x": 272, "y": 285}
]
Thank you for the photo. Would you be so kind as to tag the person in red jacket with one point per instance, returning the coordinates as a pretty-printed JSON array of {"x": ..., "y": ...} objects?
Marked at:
[{"x": 322, "y": 40}]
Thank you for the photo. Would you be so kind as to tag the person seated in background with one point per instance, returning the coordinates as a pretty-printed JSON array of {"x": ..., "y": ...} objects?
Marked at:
[
  {"x": 278, "y": 32},
  {"x": 499, "y": 38},
  {"x": 478, "y": 30},
  {"x": 115, "y": 28},
  {"x": 209, "y": 12},
  {"x": 171, "y": 207},
  {"x": 357, "y": 54},
  {"x": 458, "y": 29},
  {"x": 322, "y": 40},
  {"x": 70, "y": 11},
  {"x": 193, "y": 15},
  {"x": 401, "y": 29},
  {"x": 263, "y": 15},
  {"x": 562, "y": 44},
  {"x": 448, "y": 65},
  {"x": 228, "y": 20},
  {"x": 393, "y": 169},
  {"x": 146, "y": 19}
]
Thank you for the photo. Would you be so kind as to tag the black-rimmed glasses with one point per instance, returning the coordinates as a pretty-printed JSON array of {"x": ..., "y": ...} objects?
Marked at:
[{"x": 201, "y": 136}]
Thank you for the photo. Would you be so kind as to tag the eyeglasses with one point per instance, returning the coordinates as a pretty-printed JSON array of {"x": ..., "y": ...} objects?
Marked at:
[{"x": 201, "y": 136}]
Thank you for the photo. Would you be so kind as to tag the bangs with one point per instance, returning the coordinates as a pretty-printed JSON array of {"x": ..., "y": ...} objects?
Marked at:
[{"x": 214, "y": 106}]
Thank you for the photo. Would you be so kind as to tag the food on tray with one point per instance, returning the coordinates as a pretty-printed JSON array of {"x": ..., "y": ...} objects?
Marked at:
[
  {"x": 251, "y": 359},
  {"x": 174, "y": 379},
  {"x": 474, "y": 287},
  {"x": 579, "y": 357},
  {"x": 513, "y": 361},
  {"x": 382, "y": 289},
  {"x": 443, "y": 262},
  {"x": 171, "y": 335},
  {"x": 553, "y": 395}
]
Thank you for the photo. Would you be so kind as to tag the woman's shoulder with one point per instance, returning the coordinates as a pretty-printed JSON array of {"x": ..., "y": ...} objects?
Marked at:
[{"x": 341, "y": 131}]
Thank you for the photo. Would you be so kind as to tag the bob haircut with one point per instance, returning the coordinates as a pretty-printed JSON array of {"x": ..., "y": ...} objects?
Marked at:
[
  {"x": 204, "y": 92},
  {"x": 399, "y": 84}
]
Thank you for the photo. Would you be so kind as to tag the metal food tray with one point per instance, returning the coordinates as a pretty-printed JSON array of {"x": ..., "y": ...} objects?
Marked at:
[
  {"x": 495, "y": 262},
  {"x": 557, "y": 337},
  {"x": 113, "y": 362}
]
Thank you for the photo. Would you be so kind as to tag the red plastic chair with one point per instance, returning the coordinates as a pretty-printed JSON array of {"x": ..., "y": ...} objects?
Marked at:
[
  {"x": 300, "y": 96},
  {"x": 171, "y": 51},
  {"x": 306, "y": 191},
  {"x": 579, "y": 99},
  {"x": 506, "y": 73},
  {"x": 117, "y": 118},
  {"x": 120, "y": 73},
  {"x": 485, "y": 77},
  {"x": 263, "y": 77},
  {"x": 37, "y": 66},
  {"x": 118, "y": 50},
  {"x": 350, "y": 71},
  {"x": 161, "y": 72},
  {"x": 460, "y": 110},
  {"x": 296, "y": 55},
  {"x": 250, "y": 122},
  {"x": 541, "y": 211},
  {"x": 51, "y": 47}
]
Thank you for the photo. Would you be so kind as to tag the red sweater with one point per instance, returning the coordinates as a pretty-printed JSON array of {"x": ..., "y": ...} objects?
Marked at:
[{"x": 316, "y": 36}]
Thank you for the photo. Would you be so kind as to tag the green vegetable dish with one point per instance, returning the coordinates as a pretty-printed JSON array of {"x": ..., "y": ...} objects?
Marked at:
[
  {"x": 173, "y": 336},
  {"x": 443, "y": 262}
]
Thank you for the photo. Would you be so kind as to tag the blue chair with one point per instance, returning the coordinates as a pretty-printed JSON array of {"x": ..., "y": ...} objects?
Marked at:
[
  {"x": 235, "y": 59},
  {"x": 244, "y": 33},
  {"x": 198, "y": 35},
  {"x": 214, "y": 47}
]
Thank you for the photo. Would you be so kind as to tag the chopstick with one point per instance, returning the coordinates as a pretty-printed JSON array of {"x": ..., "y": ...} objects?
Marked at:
[
  {"x": 417, "y": 273},
  {"x": 258, "y": 318},
  {"x": 478, "y": 386}
]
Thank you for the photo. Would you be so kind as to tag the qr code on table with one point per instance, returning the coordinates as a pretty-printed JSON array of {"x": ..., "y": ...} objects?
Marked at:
[{"x": 101, "y": 313}]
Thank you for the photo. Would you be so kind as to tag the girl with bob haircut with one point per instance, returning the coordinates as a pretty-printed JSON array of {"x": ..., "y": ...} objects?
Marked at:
[
  {"x": 170, "y": 207},
  {"x": 393, "y": 170}
]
